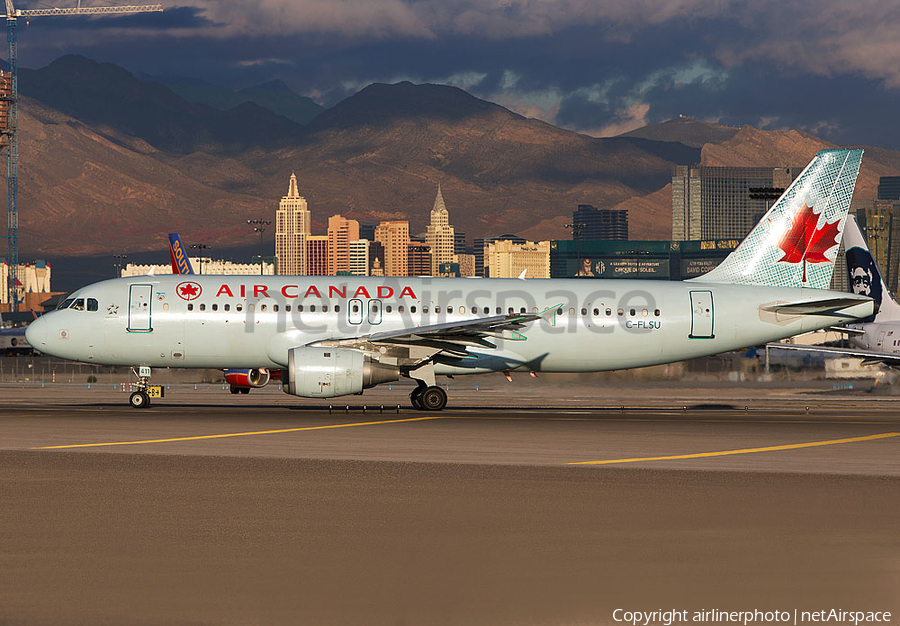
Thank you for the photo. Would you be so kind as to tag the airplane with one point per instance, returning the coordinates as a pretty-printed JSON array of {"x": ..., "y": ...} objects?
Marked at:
[
  {"x": 875, "y": 339},
  {"x": 12, "y": 340},
  {"x": 239, "y": 380},
  {"x": 334, "y": 336}
]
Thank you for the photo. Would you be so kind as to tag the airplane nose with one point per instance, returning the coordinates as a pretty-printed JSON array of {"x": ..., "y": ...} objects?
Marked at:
[{"x": 37, "y": 333}]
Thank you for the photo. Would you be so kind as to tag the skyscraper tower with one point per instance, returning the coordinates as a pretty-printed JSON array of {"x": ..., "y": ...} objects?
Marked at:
[
  {"x": 292, "y": 228},
  {"x": 341, "y": 232},
  {"x": 439, "y": 235}
]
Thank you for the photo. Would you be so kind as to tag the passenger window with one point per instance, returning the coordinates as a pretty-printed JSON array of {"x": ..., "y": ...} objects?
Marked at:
[
  {"x": 275, "y": 308},
  {"x": 356, "y": 308},
  {"x": 337, "y": 308},
  {"x": 645, "y": 312},
  {"x": 166, "y": 306},
  {"x": 511, "y": 311},
  {"x": 78, "y": 305},
  {"x": 190, "y": 307},
  {"x": 287, "y": 307},
  {"x": 262, "y": 307},
  {"x": 425, "y": 310},
  {"x": 412, "y": 309},
  {"x": 522, "y": 310},
  {"x": 227, "y": 307},
  {"x": 462, "y": 310},
  {"x": 656, "y": 312},
  {"x": 203, "y": 307},
  {"x": 388, "y": 308},
  {"x": 437, "y": 309},
  {"x": 250, "y": 307},
  {"x": 621, "y": 312},
  {"x": 633, "y": 312},
  {"x": 499, "y": 310},
  {"x": 571, "y": 311},
  {"x": 608, "y": 312},
  {"x": 92, "y": 305},
  {"x": 300, "y": 308},
  {"x": 584, "y": 311},
  {"x": 324, "y": 308},
  {"x": 312, "y": 308},
  {"x": 238, "y": 307},
  {"x": 215, "y": 307},
  {"x": 596, "y": 312},
  {"x": 400, "y": 309},
  {"x": 449, "y": 310}
]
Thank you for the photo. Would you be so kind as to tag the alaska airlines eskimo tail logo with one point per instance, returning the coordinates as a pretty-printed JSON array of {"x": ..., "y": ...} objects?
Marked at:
[
  {"x": 804, "y": 243},
  {"x": 188, "y": 290}
]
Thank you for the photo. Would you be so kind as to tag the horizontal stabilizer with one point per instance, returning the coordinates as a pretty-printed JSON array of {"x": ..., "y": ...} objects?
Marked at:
[
  {"x": 869, "y": 357},
  {"x": 828, "y": 306}
]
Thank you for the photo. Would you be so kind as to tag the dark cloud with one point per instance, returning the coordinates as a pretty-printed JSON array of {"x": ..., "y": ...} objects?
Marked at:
[{"x": 831, "y": 67}]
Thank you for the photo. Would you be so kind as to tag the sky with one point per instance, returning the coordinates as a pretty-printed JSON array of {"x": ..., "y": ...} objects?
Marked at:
[{"x": 601, "y": 67}]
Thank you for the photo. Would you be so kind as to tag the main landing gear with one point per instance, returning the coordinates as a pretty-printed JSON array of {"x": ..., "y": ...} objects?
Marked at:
[
  {"x": 427, "y": 396},
  {"x": 237, "y": 390}
]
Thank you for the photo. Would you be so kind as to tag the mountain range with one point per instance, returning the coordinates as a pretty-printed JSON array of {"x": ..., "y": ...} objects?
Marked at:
[{"x": 110, "y": 163}]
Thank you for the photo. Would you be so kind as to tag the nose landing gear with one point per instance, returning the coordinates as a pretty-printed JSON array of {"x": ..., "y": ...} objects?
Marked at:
[{"x": 140, "y": 398}]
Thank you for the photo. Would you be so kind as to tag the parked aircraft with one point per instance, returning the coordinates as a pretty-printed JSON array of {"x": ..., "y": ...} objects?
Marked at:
[
  {"x": 12, "y": 340},
  {"x": 338, "y": 335},
  {"x": 877, "y": 338}
]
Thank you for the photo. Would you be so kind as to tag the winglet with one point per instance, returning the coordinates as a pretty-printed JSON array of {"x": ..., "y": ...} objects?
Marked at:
[
  {"x": 152, "y": 271},
  {"x": 522, "y": 275},
  {"x": 549, "y": 314}
]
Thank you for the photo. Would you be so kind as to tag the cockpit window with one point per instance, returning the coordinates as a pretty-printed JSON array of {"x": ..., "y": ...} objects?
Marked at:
[
  {"x": 65, "y": 304},
  {"x": 78, "y": 305},
  {"x": 92, "y": 304}
]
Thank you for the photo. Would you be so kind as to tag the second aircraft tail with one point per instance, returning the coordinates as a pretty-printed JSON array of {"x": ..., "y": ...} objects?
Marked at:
[
  {"x": 180, "y": 262},
  {"x": 864, "y": 275}
]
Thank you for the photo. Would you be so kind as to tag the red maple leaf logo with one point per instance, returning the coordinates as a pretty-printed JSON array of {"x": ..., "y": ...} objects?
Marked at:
[
  {"x": 803, "y": 243},
  {"x": 188, "y": 291}
]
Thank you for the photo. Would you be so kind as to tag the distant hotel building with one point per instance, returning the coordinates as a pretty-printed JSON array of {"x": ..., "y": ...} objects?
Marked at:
[
  {"x": 440, "y": 236},
  {"x": 359, "y": 257},
  {"x": 600, "y": 224},
  {"x": 317, "y": 255},
  {"x": 506, "y": 259},
  {"x": 34, "y": 287},
  {"x": 889, "y": 188},
  {"x": 341, "y": 232},
  {"x": 208, "y": 266},
  {"x": 419, "y": 260},
  {"x": 480, "y": 246},
  {"x": 292, "y": 227},
  {"x": 716, "y": 203},
  {"x": 394, "y": 236}
]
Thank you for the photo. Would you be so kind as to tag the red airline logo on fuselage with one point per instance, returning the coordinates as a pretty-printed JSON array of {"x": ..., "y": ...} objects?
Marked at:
[{"x": 312, "y": 291}]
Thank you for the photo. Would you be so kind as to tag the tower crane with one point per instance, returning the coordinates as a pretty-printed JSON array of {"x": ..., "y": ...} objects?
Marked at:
[{"x": 9, "y": 95}]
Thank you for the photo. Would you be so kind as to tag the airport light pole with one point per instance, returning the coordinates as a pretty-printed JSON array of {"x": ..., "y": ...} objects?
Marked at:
[
  {"x": 259, "y": 226},
  {"x": 119, "y": 260},
  {"x": 577, "y": 229},
  {"x": 201, "y": 247}
]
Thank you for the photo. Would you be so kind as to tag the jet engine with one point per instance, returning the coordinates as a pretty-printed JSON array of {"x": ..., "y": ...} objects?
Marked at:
[
  {"x": 315, "y": 372},
  {"x": 249, "y": 379}
]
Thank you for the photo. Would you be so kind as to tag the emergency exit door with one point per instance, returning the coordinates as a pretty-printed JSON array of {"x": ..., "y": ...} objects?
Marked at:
[
  {"x": 702, "y": 315},
  {"x": 139, "y": 308}
]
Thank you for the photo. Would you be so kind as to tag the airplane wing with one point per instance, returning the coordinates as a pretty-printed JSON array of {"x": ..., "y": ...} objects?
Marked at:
[
  {"x": 846, "y": 330},
  {"x": 868, "y": 355},
  {"x": 450, "y": 338},
  {"x": 828, "y": 306}
]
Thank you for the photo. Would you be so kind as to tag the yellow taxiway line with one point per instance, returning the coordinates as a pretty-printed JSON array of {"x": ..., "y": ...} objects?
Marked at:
[
  {"x": 700, "y": 455},
  {"x": 244, "y": 434}
]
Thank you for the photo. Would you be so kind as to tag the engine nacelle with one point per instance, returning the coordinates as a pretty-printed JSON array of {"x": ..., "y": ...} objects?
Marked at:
[
  {"x": 253, "y": 379},
  {"x": 331, "y": 372}
]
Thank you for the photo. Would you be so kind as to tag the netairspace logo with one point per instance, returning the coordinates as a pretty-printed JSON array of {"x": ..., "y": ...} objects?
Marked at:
[{"x": 670, "y": 617}]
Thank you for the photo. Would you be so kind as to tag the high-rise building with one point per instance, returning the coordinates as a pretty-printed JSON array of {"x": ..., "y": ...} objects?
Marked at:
[
  {"x": 341, "y": 232},
  {"x": 394, "y": 235},
  {"x": 439, "y": 235},
  {"x": 889, "y": 188},
  {"x": 466, "y": 265},
  {"x": 459, "y": 243},
  {"x": 33, "y": 278},
  {"x": 292, "y": 226},
  {"x": 505, "y": 259},
  {"x": 480, "y": 245},
  {"x": 418, "y": 259},
  {"x": 359, "y": 257},
  {"x": 600, "y": 224},
  {"x": 317, "y": 255},
  {"x": 723, "y": 202}
]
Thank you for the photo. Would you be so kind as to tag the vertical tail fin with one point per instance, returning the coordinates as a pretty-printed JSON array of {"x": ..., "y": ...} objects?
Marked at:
[
  {"x": 180, "y": 263},
  {"x": 864, "y": 276},
  {"x": 796, "y": 242}
]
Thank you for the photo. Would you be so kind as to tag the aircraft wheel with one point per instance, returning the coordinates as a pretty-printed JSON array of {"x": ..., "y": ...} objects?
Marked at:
[
  {"x": 433, "y": 399},
  {"x": 139, "y": 400},
  {"x": 234, "y": 389},
  {"x": 245, "y": 390},
  {"x": 415, "y": 398}
]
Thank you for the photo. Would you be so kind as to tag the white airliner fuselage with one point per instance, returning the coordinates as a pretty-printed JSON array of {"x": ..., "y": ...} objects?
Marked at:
[{"x": 596, "y": 325}]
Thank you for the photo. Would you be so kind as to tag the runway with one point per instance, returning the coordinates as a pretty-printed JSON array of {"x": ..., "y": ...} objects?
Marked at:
[{"x": 211, "y": 508}]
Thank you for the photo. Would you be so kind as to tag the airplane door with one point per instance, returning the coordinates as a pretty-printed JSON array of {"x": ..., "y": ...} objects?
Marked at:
[
  {"x": 139, "y": 308},
  {"x": 702, "y": 315},
  {"x": 355, "y": 311},
  {"x": 374, "y": 311}
]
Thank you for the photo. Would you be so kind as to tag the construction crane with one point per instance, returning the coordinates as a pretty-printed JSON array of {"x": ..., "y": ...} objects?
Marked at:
[{"x": 9, "y": 96}]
